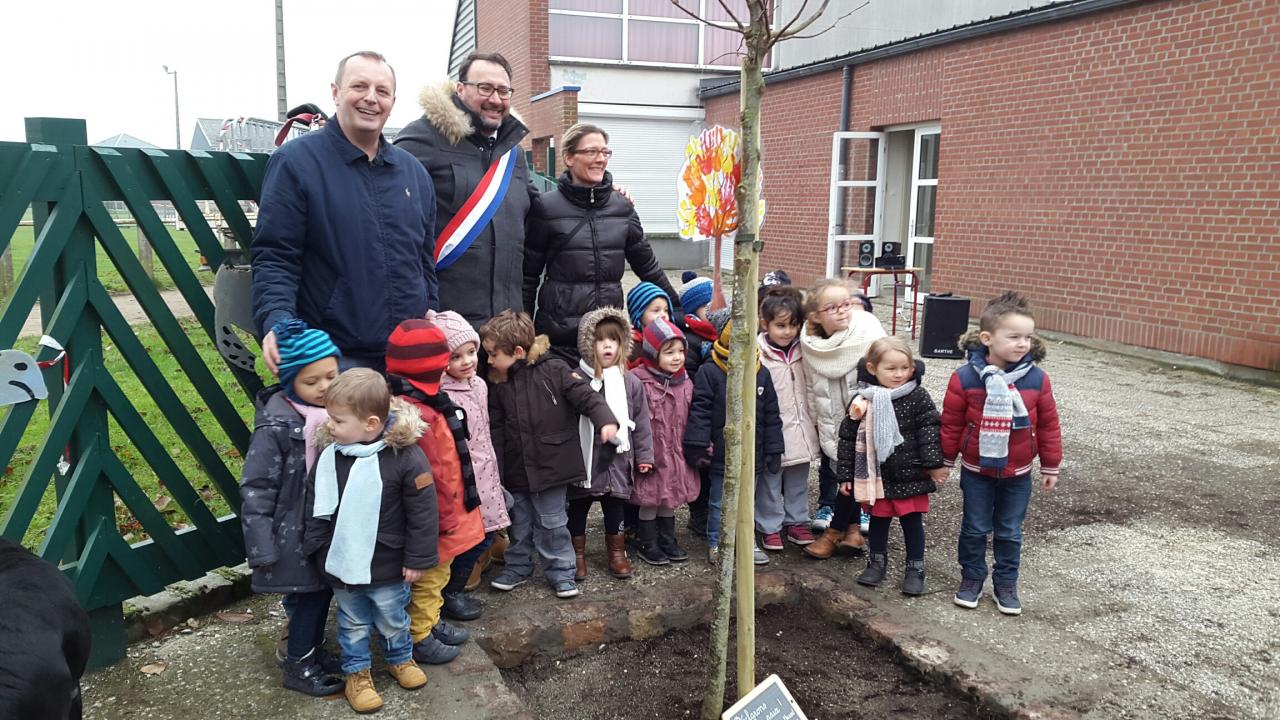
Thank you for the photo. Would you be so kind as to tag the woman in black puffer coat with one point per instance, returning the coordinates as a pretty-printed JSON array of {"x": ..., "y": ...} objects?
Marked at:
[{"x": 580, "y": 239}]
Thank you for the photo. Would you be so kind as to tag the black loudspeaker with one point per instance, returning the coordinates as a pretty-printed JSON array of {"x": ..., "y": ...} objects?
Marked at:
[
  {"x": 946, "y": 318},
  {"x": 866, "y": 254},
  {"x": 890, "y": 247}
]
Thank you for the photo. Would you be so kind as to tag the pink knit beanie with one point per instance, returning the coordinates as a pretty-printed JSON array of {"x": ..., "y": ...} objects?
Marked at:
[{"x": 457, "y": 331}]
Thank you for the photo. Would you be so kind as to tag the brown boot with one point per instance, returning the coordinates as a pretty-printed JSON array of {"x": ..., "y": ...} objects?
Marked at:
[
  {"x": 853, "y": 540},
  {"x": 619, "y": 565},
  {"x": 498, "y": 550},
  {"x": 360, "y": 692},
  {"x": 825, "y": 546},
  {"x": 580, "y": 557},
  {"x": 482, "y": 564},
  {"x": 408, "y": 674}
]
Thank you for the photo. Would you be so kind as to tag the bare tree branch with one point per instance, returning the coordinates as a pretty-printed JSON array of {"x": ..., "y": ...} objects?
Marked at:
[
  {"x": 742, "y": 29},
  {"x": 796, "y": 32},
  {"x": 799, "y": 13}
]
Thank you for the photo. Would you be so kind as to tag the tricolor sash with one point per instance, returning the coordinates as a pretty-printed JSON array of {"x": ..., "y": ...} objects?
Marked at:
[{"x": 476, "y": 212}]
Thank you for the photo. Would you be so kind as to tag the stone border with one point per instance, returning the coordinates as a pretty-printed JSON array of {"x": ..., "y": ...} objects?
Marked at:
[{"x": 148, "y": 616}]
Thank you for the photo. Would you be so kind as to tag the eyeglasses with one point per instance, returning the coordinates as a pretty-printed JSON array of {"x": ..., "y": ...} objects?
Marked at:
[
  {"x": 833, "y": 308},
  {"x": 594, "y": 153},
  {"x": 485, "y": 89}
]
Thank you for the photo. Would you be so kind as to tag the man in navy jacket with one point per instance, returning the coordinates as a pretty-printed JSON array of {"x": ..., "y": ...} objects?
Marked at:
[{"x": 346, "y": 226}]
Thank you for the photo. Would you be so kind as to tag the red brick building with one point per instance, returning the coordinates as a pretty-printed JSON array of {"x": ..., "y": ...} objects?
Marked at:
[{"x": 1117, "y": 161}]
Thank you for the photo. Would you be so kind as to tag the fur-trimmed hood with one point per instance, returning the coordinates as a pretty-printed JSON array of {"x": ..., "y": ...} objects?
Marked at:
[
  {"x": 587, "y": 333},
  {"x": 971, "y": 341},
  {"x": 541, "y": 344},
  {"x": 405, "y": 428},
  {"x": 439, "y": 109}
]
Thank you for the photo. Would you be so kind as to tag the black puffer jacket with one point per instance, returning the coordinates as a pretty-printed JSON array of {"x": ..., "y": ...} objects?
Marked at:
[
  {"x": 904, "y": 473},
  {"x": 705, "y": 427},
  {"x": 582, "y": 239}
]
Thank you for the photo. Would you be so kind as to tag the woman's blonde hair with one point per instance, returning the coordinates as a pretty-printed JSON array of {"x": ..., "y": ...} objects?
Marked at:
[
  {"x": 813, "y": 300},
  {"x": 886, "y": 345},
  {"x": 573, "y": 136}
]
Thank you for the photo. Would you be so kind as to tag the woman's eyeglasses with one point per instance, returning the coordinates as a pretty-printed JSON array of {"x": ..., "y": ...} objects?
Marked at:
[{"x": 594, "y": 153}]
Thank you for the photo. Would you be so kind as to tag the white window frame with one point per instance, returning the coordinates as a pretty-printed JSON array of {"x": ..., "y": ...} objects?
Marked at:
[
  {"x": 626, "y": 16},
  {"x": 837, "y": 186},
  {"x": 917, "y": 182}
]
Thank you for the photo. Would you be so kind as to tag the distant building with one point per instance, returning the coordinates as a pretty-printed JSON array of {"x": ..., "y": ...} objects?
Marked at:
[
  {"x": 124, "y": 140},
  {"x": 250, "y": 134}
]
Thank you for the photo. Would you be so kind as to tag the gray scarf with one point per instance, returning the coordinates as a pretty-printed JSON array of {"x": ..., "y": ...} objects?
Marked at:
[{"x": 884, "y": 430}]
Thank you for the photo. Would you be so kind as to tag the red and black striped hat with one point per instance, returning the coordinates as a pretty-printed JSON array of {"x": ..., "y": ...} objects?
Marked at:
[{"x": 418, "y": 352}]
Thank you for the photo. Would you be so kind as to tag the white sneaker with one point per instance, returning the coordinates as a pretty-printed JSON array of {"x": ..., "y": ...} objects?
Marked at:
[{"x": 822, "y": 518}]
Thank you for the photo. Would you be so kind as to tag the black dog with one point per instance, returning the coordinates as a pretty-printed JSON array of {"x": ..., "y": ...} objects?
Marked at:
[{"x": 44, "y": 639}]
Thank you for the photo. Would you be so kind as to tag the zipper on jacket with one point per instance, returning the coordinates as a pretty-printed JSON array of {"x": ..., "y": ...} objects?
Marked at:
[
  {"x": 964, "y": 442},
  {"x": 551, "y": 393},
  {"x": 1035, "y": 446}
]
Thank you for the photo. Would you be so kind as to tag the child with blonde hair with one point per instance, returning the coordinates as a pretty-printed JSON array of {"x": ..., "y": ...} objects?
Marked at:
[
  {"x": 836, "y": 335},
  {"x": 891, "y": 457}
]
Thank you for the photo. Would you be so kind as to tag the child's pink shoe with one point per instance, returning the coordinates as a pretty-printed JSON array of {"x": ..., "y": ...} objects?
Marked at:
[{"x": 799, "y": 535}]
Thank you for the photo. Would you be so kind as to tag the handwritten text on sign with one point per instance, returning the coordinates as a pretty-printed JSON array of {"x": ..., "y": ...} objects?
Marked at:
[{"x": 770, "y": 700}]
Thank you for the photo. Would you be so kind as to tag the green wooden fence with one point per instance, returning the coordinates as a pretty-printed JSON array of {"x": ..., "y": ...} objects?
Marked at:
[{"x": 64, "y": 183}]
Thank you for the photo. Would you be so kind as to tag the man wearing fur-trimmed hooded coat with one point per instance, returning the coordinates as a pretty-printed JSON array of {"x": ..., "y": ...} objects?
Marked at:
[{"x": 460, "y": 135}]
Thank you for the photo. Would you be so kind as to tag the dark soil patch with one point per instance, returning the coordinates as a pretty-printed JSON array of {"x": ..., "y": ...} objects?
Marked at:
[{"x": 830, "y": 671}]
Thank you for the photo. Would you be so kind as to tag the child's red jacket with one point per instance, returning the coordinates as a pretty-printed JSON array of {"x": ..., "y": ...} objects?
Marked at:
[{"x": 962, "y": 415}]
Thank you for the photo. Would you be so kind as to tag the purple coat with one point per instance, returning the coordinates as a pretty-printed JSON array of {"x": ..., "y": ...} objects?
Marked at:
[{"x": 672, "y": 482}]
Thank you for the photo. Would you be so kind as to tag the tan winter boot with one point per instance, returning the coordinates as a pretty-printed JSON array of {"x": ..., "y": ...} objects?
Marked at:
[
  {"x": 360, "y": 692},
  {"x": 580, "y": 557},
  {"x": 498, "y": 550},
  {"x": 482, "y": 564},
  {"x": 408, "y": 674},
  {"x": 825, "y": 546},
  {"x": 853, "y": 540},
  {"x": 619, "y": 565}
]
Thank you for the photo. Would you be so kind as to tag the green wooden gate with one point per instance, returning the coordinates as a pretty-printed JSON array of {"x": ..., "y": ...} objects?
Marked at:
[{"x": 65, "y": 184}]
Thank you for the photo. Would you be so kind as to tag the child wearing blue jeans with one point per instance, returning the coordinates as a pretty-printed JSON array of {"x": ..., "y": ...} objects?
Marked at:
[
  {"x": 372, "y": 524},
  {"x": 998, "y": 415}
]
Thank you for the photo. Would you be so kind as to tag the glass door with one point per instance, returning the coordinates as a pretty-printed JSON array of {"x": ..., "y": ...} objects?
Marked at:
[
  {"x": 924, "y": 197},
  {"x": 856, "y": 203}
]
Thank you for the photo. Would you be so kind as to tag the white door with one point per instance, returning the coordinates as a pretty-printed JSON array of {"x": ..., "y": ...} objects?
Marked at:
[
  {"x": 924, "y": 201},
  {"x": 855, "y": 210}
]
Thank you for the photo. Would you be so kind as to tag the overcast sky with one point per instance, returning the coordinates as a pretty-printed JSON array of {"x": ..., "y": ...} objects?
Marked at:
[{"x": 102, "y": 60}]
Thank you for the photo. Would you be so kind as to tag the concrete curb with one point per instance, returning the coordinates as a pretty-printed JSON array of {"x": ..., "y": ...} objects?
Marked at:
[
  {"x": 151, "y": 615},
  {"x": 519, "y": 635}
]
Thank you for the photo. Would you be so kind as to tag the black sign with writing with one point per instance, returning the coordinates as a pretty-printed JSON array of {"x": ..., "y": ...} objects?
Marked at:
[{"x": 768, "y": 701}]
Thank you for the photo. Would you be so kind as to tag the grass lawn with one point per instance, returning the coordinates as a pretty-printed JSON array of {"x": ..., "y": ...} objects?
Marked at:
[
  {"x": 15, "y": 471},
  {"x": 23, "y": 241}
]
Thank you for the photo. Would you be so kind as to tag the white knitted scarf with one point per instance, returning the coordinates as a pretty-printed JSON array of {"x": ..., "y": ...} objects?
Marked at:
[{"x": 615, "y": 396}]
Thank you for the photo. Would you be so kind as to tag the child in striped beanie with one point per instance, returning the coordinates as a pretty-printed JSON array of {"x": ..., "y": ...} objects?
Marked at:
[{"x": 645, "y": 302}]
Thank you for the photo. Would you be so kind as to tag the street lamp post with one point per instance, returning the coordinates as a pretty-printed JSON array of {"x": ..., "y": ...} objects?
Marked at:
[{"x": 177, "y": 123}]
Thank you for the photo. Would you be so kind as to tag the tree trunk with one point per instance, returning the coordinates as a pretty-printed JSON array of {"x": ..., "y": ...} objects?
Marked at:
[{"x": 739, "y": 481}]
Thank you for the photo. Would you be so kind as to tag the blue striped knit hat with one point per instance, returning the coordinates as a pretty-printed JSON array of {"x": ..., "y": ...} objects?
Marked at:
[
  {"x": 695, "y": 293},
  {"x": 640, "y": 297},
  {"x": 299, "y": 347}
]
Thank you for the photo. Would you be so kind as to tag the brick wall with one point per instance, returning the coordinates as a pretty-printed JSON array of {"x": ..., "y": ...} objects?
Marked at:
[
  {"x": 548, "y": 118},
  {"x": 1120, "y": 168},
  {"x": 518, "y": 30}
]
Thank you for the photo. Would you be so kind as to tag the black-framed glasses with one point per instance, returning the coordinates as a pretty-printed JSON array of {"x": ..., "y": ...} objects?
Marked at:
[{"x": 486, "y": 89}]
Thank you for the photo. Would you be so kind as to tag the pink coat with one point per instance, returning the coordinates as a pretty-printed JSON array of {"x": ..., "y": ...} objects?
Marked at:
[
  {"x": 472, "y": 395},
  {"x": 672, "y": 482}
]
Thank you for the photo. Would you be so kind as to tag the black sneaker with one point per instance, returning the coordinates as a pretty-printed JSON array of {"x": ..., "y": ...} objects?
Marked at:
[
  {"x": 449, "y": 634},
  {"x": 307, "y": 677},
  {"x": 565, "y": 589},
  {"x": 1007, "y": 600},
  {"x": 969, "y": 594},
  {"x": 458, "y": 605},
  {"x": 431, "y": 651},
  {"x": 507, "y": 580}
]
